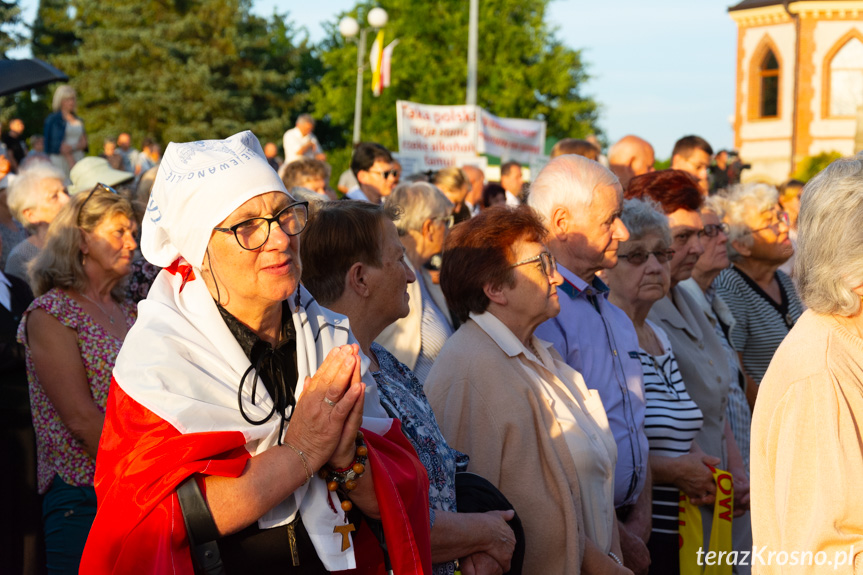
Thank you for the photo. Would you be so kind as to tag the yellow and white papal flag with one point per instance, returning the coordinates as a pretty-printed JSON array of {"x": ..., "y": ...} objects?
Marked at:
[{"x": 380, "y": 58}]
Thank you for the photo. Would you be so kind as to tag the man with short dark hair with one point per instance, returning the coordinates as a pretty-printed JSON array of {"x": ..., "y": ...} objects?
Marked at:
[
  {"x": 692, "y": 154},
  {"x": 512, "y": 181},
  {"x": 372, "y": 164}
]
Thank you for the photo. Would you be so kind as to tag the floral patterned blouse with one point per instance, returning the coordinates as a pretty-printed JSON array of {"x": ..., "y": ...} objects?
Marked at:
[
  {"x": 403, "y": 398},
  {"x": 57, "y": 451}
]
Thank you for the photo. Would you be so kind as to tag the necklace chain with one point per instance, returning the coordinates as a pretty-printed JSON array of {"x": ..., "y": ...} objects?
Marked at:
[{"x": 97, "y": 304}]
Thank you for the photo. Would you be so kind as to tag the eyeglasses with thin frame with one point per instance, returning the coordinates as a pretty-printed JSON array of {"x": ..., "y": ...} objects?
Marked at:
[
  {"x": 97, "y": 187},
  {"x": 781, "y": 217},
  {"x": 386, "y": 174},
  {"x": 547, "y": 261},
  {"x": 253, "y": 233},
  {"x": 712, "y": 230},
  {"x": 638, "y": 258}
]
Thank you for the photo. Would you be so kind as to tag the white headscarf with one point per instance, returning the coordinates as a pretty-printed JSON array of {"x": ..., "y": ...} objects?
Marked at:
[{"x": 197, "y": 186}]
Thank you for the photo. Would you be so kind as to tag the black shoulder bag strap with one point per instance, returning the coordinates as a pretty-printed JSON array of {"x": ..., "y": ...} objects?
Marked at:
[{"x": 201, "y": 529}]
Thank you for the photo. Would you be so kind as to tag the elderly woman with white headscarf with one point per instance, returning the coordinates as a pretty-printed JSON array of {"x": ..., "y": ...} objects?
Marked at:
[
  {"x": 807, "y": 458},
  {"x": 232, "y": 427}
]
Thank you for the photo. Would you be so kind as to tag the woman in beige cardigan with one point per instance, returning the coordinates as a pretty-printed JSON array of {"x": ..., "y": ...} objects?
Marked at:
[
  {"x": 806, "y": 455},
  {"x": 507, "y": 399}
]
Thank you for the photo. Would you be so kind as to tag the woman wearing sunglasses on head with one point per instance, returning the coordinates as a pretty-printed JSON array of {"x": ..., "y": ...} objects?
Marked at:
[
  {"x": 72, "y": 333},
  {"x": 672, "y": 419}
]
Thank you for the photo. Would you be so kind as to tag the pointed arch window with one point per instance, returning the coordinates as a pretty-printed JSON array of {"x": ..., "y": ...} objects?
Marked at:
[
  {"x": 768, "y": 73},
  {"x": 846, "y": 79}
]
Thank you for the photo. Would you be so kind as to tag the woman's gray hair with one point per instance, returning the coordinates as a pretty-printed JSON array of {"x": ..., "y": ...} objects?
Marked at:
[
  {"x": 418, "y": 202},
  {"x": 829, "y": 262},
  {"x": 62, "y": 92},
  {"x": 24, "y": 192},
  {"x": 739, "y": 203},
  {"x": 715, "y": 204},
  {"x": 568, "y": 181},
  {"x": 644, "y": 216},
  {"x": 60, "y": 263}
]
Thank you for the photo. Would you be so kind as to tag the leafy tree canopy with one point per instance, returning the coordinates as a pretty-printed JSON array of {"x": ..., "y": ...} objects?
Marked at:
[
  {"x": 524, "y": 70},
  {"x": 10, "y": 20},
  {"x": 177, "y": 69}
]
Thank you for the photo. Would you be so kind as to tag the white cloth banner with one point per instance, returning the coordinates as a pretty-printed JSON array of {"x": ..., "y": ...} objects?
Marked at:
[
  {"x": 510, "y": 138},
  {"x": 436, "y": 137}
]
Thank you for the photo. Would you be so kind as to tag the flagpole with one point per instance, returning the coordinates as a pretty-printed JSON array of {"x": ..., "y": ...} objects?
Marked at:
[
  {"x": 358, "y": 105},
  {"x": 349, "y": 28},
  {"x": 472, "y": 45}
]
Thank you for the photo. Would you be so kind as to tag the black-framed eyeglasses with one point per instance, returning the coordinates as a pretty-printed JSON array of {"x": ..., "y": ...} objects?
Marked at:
[
  {"x": 386, "y": 174},
  {"x": 712, "y": 230},
  {"x": 547, "y": 261},
  {"x": 251, "y": 234},
  {"x": 637, "y": 258},
  {"x": 96, "y": 188},
  {"x": 781, "y": 218}
]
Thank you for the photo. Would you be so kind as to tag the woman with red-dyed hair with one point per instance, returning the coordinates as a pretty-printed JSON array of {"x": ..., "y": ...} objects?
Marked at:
[
  {"x": 703, "y": 361},
  {"x": 506, "y": 398}
]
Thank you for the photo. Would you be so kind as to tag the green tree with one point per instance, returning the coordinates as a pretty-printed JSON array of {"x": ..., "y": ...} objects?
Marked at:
[
  {"x": 810, "y": 166},
  {"x": 184, "y": 69},
  {"x": 54, "y": 30},
  {"x": 524, "y": 69},
  {"x": 10, "y": 22}
]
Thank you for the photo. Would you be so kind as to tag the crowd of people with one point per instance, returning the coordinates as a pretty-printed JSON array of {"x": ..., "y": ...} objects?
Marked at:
[{"x": 428, "y": 373}]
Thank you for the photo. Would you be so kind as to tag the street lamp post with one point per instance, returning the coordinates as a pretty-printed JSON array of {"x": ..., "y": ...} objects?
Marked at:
[{"x": 349, "y": 28}]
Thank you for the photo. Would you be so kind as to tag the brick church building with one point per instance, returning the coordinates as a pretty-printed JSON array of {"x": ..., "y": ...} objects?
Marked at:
[{"x": 799, "y": 82}]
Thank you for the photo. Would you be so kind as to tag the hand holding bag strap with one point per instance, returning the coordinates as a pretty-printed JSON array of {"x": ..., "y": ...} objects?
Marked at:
[{"x": 200, "y": 528}]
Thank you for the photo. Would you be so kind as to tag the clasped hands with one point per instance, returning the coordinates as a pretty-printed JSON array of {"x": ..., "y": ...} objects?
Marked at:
[{"x": 329, "y": 411}]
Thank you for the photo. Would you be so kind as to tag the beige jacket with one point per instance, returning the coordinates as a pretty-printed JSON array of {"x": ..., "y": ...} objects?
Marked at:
[
  {"x": 489, "y": 408},
  {"x": 807, "y": 450},
  {"x": 703, "y": 364},
  {"x": 403, "y": 338}
]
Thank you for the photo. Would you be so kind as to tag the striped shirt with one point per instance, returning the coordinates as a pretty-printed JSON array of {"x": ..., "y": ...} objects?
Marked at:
[
  {"x": 760, "y": 324},
  {"x": 671, "y": 422}
]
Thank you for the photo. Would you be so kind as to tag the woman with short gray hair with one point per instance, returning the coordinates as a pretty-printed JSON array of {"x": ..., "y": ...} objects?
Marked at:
[
  {"x": 426, "y": 215},
  {"x": 806, "y": 452},
  {"x": 762, "y": 299},
  {"x": 35, "y": 199},
  {"x": 671, "y": 419}
]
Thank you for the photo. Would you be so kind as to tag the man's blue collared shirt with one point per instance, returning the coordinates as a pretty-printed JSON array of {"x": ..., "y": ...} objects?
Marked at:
[{"x": 599, "y": 341}]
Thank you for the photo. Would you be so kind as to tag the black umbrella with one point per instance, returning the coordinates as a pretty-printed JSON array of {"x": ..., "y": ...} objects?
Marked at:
[{"x": 20, "y": 75}]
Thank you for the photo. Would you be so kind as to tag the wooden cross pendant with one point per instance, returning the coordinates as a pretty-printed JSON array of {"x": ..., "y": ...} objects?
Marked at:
[{"x": 344, "y": 530}]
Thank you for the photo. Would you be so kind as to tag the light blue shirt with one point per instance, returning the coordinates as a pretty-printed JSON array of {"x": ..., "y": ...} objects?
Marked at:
[{"x": 597, "y": 339}]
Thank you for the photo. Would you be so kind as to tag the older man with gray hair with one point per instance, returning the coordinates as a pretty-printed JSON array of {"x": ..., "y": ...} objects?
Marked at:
[
  {"x": 299, "y": 142},
  {"x": 580, "y": 202},
  {"x": 416, "y": 340}
]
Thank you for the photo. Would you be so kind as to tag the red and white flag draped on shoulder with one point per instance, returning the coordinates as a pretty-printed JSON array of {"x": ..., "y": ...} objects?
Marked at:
[{"x": 172, "y": 412}]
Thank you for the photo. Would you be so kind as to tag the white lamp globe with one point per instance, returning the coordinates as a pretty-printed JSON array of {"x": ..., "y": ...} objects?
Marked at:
[
  {"x": 349, "y": 27},
  {"x": 378, "y": 17}
]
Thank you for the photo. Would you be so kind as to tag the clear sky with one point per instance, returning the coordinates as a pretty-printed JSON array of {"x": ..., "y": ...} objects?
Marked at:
[{"x": 660, "y": 69}]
